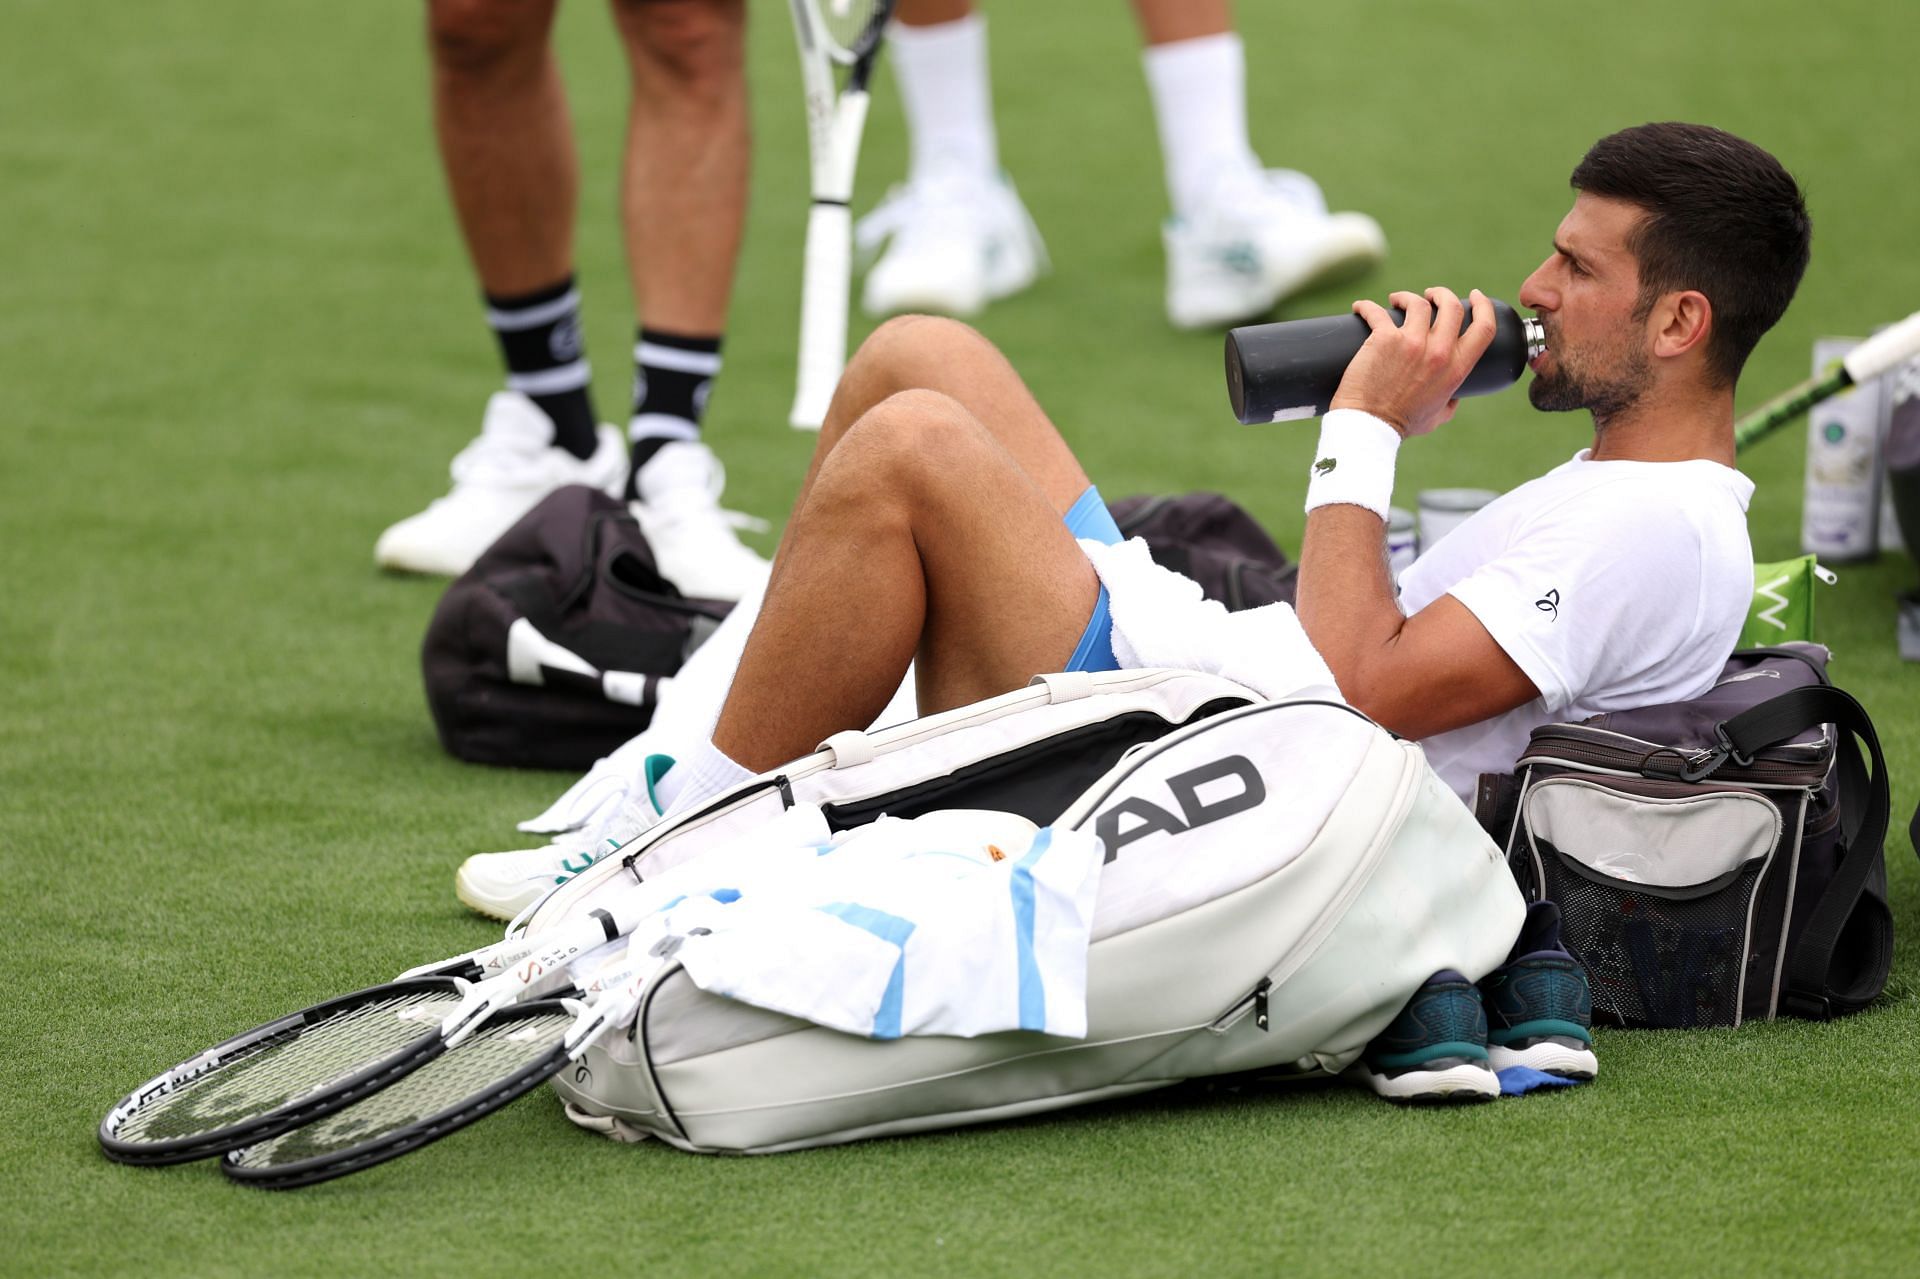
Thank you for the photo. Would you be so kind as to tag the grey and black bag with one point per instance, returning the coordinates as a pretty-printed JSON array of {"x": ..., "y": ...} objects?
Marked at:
[{"x": 1717, "y": 860}]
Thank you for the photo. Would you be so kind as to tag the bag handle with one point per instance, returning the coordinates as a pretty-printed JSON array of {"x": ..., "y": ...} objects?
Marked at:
[{"x": 1864, "y": 805}]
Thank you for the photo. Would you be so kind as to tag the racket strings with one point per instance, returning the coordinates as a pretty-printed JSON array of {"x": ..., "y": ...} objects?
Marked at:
[
  {"x": 494, "y": 1054},
  {"x": 265, "y": 1076},
  {"x": 853, "y": 26}
]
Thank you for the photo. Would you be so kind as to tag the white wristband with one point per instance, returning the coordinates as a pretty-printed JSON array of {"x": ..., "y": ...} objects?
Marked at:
[{"x": 1353, "y": 463}]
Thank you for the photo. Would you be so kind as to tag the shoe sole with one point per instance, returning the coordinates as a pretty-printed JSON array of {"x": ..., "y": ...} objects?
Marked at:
[
  {"x": 1358, "y": 251},
  {"x": 1361, "y": 247},
  {"x": 1001, "y": 283},
  {"x": 932, "y": 303},
  {"x": 1451, "y": 1085},
  {"x": 476, "y": 902},
  {"x": 1549, "y": 1058}
]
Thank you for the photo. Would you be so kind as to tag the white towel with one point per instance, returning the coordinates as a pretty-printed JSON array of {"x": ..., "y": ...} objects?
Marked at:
[
  {"x": 1161, "y": 619},
  {"x": 957, "y": 923}
]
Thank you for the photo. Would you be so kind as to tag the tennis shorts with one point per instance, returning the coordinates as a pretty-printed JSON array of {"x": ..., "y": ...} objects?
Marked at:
[{"x": 1089, "y": 518}]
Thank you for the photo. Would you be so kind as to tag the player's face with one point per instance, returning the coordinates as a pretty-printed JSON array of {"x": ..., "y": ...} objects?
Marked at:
[{"x": 1586, "y": 295}]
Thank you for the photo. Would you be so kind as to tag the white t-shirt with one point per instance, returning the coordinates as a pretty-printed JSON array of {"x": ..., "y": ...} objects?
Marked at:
[{"x": 1613, "y": 585}]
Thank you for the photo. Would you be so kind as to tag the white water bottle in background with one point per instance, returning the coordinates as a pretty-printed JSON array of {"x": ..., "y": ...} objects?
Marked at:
[{"x": 1840, "y": 513}]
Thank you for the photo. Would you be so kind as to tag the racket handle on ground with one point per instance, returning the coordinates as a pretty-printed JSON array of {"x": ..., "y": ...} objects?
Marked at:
[
  {"x": 823, "y": 313},
  {"x": 1290, "y": 370}
]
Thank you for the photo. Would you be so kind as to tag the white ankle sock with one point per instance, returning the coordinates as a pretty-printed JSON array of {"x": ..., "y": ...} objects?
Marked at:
[
  {"x": 947, "y": 95},
  {"x": 699, "y": 777},
  {"x": 1199, "y": 90}
]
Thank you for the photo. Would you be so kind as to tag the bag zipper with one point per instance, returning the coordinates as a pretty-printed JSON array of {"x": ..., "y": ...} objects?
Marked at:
[
  {"x": 1634, "y": 760},
  {"x": 1255, "y": 1003},
  {"x": 1335, "y": 911}
]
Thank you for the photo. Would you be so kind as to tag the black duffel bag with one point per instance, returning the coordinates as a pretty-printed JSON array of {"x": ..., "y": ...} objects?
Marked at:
[
  {"x": 1715, "y": 861},
  {"x": 549, "y": 652},
  {"x": 1212, "y": 540}
]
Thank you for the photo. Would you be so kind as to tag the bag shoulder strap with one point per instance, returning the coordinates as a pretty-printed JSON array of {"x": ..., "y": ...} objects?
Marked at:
[{"x": 1864, "y": 805}]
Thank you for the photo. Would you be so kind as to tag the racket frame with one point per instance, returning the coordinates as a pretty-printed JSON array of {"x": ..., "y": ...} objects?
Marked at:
[
  {"x": 325, "y": 1101},
  {"x": 835, "y": 124},
  {"x": 424, "y": 1132}
]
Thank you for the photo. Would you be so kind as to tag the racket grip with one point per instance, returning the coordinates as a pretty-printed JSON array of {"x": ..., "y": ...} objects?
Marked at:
[
  {"x": 1884, "y": 349},
  {"x": 823, "y": 313}
]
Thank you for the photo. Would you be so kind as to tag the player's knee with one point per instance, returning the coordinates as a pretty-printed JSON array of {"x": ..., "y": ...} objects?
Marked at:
[
  {"x": 695, "y": 46},
  {"x": 903, "y": 351},
  {"x": 916, "y": 430},
  {"x": 478, "y": 36}
]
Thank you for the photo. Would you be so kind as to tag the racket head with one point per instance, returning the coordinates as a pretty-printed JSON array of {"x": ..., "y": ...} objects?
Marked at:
[
  {"x": 849, "y": 30},
  {"x": 281, "y": 1074},
  {"x": 518, "y": 1049}
]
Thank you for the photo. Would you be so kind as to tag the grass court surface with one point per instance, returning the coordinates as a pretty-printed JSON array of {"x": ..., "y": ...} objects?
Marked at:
[{"x": 239, "y": 337}]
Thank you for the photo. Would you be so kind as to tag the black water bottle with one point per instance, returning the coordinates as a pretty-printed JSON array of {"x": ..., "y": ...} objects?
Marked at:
[{"x": 1280, "y": 372}]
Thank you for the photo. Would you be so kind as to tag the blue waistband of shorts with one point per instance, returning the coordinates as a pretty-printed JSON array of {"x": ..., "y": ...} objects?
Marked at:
[{"x": 1089, "y": 517}]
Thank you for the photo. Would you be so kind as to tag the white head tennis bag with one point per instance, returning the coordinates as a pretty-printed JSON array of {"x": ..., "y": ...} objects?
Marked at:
[{"x": 1280, "y": 878}]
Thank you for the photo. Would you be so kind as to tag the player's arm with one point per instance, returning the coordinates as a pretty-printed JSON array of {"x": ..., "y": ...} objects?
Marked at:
[
  {"x": 1419, "y": 675},
  {"x": 1440, "y": 669}
]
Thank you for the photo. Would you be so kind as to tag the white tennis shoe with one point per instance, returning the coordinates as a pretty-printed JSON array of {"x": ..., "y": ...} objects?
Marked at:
[
  {"x": 953, "y": 244},
  {"x": 504, "y": 884},
  {"x": 1257, "y": 242},
  {"x": 696, "y": 544},
  {"x": 496, "y": 479}
]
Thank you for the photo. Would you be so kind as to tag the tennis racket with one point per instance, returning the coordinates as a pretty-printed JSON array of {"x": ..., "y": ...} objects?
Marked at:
[
  {"x": 513, "y": 1053},
  {"x": 1873, "y": 357},
  {"x": 309, "y": 1064},
  {"x": 844, "y": 33}
]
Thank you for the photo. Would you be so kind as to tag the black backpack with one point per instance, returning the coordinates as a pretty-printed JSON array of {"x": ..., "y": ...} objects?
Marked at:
[{"x": 549, "y": 651}]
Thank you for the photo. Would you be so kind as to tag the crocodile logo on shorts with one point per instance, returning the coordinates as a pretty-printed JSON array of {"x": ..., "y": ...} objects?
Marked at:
[{"x": 1325, "y": 465}]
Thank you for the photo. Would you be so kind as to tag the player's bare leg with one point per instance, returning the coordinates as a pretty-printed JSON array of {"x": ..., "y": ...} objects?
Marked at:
[
  {"x": 683, "y": 199},
  {"x": 925, "y": 352},
  {"x": 920, "y": 539}
]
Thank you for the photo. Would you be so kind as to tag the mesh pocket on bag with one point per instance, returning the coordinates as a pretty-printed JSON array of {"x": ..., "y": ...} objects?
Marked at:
[
  {"x": 1655, "y": 957},
  {"x": 1656, "y": 883}
]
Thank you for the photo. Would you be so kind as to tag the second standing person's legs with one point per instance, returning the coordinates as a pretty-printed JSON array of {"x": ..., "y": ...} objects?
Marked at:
[
  {"x": 956, "y": 235},
  {"x": 1241, "y": 238}
]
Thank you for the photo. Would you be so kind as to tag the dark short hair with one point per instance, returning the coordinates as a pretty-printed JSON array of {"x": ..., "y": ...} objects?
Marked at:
[{"x": 1722, "y": 216}]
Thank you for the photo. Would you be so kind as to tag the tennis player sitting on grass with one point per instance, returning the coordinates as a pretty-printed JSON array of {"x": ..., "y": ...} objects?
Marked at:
[
  {"x": 945, "y": 523},
  {"x": 943, "y": 520}
]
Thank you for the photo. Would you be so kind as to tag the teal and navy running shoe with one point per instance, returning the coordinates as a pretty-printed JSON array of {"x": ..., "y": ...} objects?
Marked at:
[
  {"x": 1538, "y": 1005},
  {"x": 1436, "y": 1049}
]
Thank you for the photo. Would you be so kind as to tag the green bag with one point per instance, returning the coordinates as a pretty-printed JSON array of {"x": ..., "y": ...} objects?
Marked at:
[{"x": 1782, "y": 607}]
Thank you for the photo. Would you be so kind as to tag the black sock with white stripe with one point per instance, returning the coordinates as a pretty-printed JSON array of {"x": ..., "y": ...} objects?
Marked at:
[
  {"x": 546, "y": 358},
  {"x": 672, "y": 376}
]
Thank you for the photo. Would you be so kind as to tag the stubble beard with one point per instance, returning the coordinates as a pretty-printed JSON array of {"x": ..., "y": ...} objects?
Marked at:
[{"x": 1605, "y": 387}]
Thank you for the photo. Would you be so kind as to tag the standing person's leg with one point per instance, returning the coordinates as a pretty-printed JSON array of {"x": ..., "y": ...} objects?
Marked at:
[
  {"x": 500, "y": 117},
  {"x": 957, "y": 235},
  {"x": 683, "y": 200},
  {"x": 1242, "y": 237}
]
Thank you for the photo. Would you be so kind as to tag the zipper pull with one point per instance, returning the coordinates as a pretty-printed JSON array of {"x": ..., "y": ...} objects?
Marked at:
[{"x": 1260, "y": 1002}]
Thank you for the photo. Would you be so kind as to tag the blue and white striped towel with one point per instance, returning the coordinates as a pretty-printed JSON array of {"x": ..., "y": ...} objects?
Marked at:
[{"x": 955, "y": 923}]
